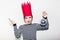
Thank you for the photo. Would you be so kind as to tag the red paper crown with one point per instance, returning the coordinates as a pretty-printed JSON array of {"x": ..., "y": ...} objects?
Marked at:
[{"x": 26, "y": 9}]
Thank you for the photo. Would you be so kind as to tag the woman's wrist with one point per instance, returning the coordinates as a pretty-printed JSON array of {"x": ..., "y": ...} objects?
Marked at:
[{"x": 14, "y": 24}]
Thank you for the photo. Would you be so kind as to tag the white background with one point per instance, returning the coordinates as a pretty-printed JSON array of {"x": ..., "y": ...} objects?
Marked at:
[{"x": 12, "y": 9}]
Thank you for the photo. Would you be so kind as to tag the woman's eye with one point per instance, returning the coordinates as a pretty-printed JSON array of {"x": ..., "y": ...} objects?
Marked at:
[{"x": 25, "y": 18}]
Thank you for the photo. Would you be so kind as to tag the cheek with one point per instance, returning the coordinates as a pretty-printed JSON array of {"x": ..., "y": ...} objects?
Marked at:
[
  {"x": 26, "y": 20},
  {"x": 30, "y": 19}
]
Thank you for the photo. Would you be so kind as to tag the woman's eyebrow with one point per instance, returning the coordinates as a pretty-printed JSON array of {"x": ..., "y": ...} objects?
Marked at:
[{"x": 29, "y": 17}]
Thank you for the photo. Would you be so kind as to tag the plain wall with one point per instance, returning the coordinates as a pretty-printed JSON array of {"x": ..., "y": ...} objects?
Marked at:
[{"x": 12, "y": 9}]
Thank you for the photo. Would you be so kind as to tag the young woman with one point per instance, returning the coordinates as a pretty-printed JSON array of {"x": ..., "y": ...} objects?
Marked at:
[{"x": 29, "y": 29}]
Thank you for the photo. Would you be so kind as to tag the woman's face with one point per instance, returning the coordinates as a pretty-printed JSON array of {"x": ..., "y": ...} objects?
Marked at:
[{"x": 28, "y": 19}]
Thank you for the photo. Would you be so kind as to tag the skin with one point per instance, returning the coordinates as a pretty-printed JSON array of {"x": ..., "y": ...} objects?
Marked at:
[{"x": 44, "y": 14}]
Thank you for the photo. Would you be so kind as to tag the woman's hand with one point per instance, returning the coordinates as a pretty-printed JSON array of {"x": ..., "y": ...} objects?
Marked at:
[
  {"x": 44, "y": 14},
  {"x": 11, "y": 21}
]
